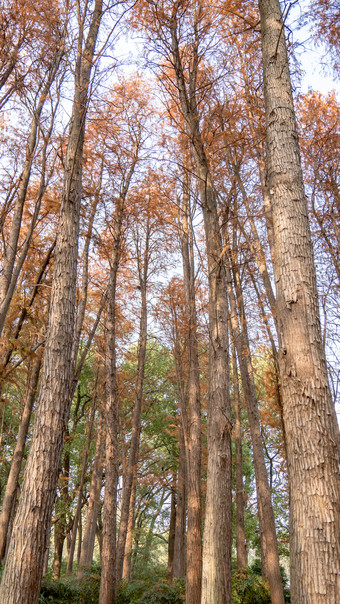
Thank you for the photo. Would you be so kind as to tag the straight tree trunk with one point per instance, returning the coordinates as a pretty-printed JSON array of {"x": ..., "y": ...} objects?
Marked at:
[
  {"x": 193, "y": 441},
  {"x": 310, "y": 423},
  {"x": 13, "y": 477},
  {"x": 129, "y": 536},
  {"x": 241, "y": 550},
  {"x": 61, "y": 525},
  {"x": 108, "y": 551},
  {"x": 179, "y": 542},
  {"x": 80, "y": 538},
  {"x": 77, "y": 514},
  {"x": 216, "y": 572},
  {"x": 85, "y": 275},
  {"x": 24, "y": 563},
  {"x": 59, "y": 538},
  {"x": 137, "y": 411},
  {"x": 93, "y": 505},
  {"x": 268, "y": 540},
  {"x": 172, "y": 533}
]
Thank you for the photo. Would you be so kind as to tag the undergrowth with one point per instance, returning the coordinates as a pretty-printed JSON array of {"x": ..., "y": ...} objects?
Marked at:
[{"x": 151, "y": 587}]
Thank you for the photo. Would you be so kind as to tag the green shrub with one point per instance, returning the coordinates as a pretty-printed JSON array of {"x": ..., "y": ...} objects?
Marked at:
[
  {"x": 256, "y": 568},
  {"x": 71, "y": 590},
  {"x": 141, "y": 591},
  {"x": 249, "y": 588},
  {"x": 57, "y": 591}
]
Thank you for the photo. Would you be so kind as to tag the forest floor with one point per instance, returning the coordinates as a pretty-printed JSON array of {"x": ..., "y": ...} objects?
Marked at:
[{"x": 150, "y": 586}]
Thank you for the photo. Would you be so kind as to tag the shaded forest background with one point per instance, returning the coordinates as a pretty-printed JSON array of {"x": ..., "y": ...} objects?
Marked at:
[{"x": 169, "y": 303}]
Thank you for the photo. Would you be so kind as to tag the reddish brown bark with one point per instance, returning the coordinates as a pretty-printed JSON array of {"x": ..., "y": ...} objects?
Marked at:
[
  {"x": 308, "y": 410},
  {"x": 24, "y": 563},
  {"x": 12, "y": 482},
  {"x": 241, "y": 549}
]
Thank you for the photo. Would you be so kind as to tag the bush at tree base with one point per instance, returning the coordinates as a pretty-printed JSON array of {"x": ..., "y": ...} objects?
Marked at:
[{"x": 248, "y": 587}]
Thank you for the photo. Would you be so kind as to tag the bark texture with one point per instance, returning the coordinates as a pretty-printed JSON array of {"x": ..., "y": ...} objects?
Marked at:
[
  {"x": 171, "y": 538},
  {"x": 309, "y": 417},
  {"x": 13, "y": 477},
  {"x": 269, "y": 550},
  {"x": 86, "y": 555},
  {"x": 108, "y": 550},
  {"x": 216, "y": 573},
  {"x": 179, "y": 537},
  {"x": 241, "y": 550},
  {"x": 193, "y": 441},
  {"x": 137, "y": 411},
  {"x": 24, "y": 563},
  {"x": 130, "y": 529},
  {"x": 77, "y": 513}
]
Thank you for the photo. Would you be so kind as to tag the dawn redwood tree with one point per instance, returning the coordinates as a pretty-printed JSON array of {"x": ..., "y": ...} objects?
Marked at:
[
  {"x": 268, "y": 539},
  {"x": 85, "y": 456},
  {"x": 126, "y": 572},
  {"x": 180, "y": 29},
  {"x": 12, "y": 482},
  {"x": 241, "y": 549},
  {"x": 193, "y": 436},
  {"x": 175, "y": 314},
  {"x": 123, "y": 142},
  {"x": 87, "y": 546},
  {"x": 108, "y": 550},
  {"x": 143, "y": 261},
  {"x": 308, "y": 411},
  {"x": 25, "y": 558},
  {"x": 180, "y": 521}
]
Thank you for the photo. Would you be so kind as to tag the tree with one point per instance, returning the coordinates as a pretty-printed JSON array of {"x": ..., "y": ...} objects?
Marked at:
[
  {"x": 193, "y": 436},
  {"x": 309, "y": 417},
  {"x": 184, "y": 58},
  {"x": 24, "y": 563}
]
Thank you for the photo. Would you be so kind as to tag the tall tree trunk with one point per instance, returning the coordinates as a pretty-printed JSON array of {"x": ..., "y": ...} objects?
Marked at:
[
  {"x": 13, "y": 477},
  {"x": 216, "y": 572},
  {"x": 137, "y": 411},
  {"x": 193, "y": 448},
  {"x": 268, "y": 540},
  {"x": 93, "y": 504},
  {"x": 60, "y": 524},
  {"x": 24, "y": 563},
  {"x": 108, "y": 552},
  {"x": 80, "y": 538},
  {"x": 77, "y": 514},
  {"x": 241, "y": 550},
  {"x": 59, "y": 538},
  {"x": 172, "y": 531},
  {"x": 85, "y": 275},
  {"x": 129, "y": 536},
  {"x": 179, "y": 542},
  {"x": 308, "y": 411}
]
